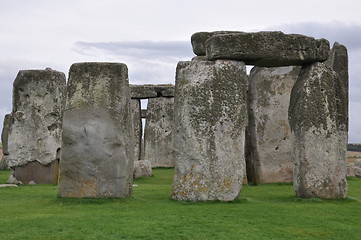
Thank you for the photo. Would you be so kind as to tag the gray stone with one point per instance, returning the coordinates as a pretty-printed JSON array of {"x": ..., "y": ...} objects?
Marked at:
[
  {"x": 142, "y": 168},
  {"x": 5, "y": 133},
  {"x": 269, "y": 147},
  {"x": 158, "y": 136},
  {"x": 199, "y": 39},
  {"x": 152, "y": 91},
  {"x": 34, "y": 134},
  {"x": 267, "y": 49},
  {"x": 338, "y": 61},
  {"x": 137, "y": 126},
  {"x": 98, "y": 147},
  {"x": 210, "y": 120},
  {"x": 12, "y": 179},
  {"x": 318, "y": 132},
  {"x": 7, "y": 185},
  {"x": 358, "y": 163}
]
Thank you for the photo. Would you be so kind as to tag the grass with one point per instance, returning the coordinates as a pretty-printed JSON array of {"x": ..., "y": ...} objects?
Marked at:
[{"x": 269, "y": 211}]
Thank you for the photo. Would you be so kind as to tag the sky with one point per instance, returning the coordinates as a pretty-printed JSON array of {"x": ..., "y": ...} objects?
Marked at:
[{"x": 151, "y": 36}]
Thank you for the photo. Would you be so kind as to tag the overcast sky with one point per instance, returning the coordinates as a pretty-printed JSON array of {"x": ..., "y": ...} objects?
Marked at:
[{"x": 151, "y": 36}]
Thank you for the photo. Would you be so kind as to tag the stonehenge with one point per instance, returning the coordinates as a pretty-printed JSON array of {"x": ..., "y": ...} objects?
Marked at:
[
  {"x": 97, "y": 141},
  {"x": 32, "y": 132},
  {"x": 287, "y": 121}
]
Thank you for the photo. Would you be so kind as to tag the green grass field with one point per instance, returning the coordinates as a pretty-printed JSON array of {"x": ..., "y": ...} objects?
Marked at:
[{"x": 269, "y": 211}]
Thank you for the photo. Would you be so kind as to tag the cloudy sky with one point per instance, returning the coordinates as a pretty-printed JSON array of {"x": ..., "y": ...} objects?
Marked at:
[{"x": 151, "y": 36}]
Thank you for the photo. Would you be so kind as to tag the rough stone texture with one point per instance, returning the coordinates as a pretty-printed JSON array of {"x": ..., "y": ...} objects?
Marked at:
[
  {"x": 199, "y": 39},
  {"x": 34, "y": 134},
  {"x": 137, "y": 126},
  {"x": 210, "y": 120},
  {"x": 267, "y": 49},
  {"x": 152, "y": 91},
  {"x": 142, "y": 168},
  {"x": 5, "y": 133},
  {"x": 338, "y": 61},
  {"x": 158, "y": 138},
  {"x": 353, "y": 170},
  {"x": 269, "y": 152},
  {"x": 358, "y": 163},
  {"x": 318, "y": 125},
  {"x": 98, "y": 147}
]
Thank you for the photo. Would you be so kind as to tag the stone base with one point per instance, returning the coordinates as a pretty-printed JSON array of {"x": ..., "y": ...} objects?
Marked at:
[
  {"x": 142, "y": 168},
  {"x": 38, "y": 173}
]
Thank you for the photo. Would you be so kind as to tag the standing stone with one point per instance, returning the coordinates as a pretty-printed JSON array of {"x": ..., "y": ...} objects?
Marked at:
[
  {"x": 210, "y": 120},
  {"x": 267, "y": 49},
  {"x": 98, "y": 143},
  {"x": 33, "y": 137},
  {"x": 269, "y": 152},
  {"x": 158, "y": 138},
  {"x": 137, "y": 125},
  {"x": 318, "y": 131},
  {"x": 4, "y": 140},
  {"x": 142, "y": 168}
]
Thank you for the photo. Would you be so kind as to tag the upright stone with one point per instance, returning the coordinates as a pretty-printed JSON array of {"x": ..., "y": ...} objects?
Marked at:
[
  {"x": 33, "y": 138},
  {"x": 98, "y": 143},
  {"x": 4, "y": 140},
  {"x": 269, "y": 152},
  {"x": 137, "y": 126},
  {"x": 210, "y": 120},
  {"x": 158, "y": 137},
  {"x": 267, "y": 49},
  {"x": 316, "y": 115}
]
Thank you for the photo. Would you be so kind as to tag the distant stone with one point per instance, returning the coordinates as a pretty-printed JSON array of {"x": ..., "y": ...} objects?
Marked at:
[
  {"x": 8, "y": 185},
  {"x": 142, "y": 168},
  {"x": 199, "y": 39},
  {"x": 267, "y": 49},
  {"x": 137, "y": 126},
  {"x": 152, "y": 91},
  {"x": 98, "y": 144},
  {"x": 158, "y": 137},
  {"x": 318, "y": 132},
  {"x": 358, "y": 163},
  {"x": 33, "y": 136},
  {"x": 353, "y": 170},
  {"x": 32, "y": 183},
  {"x": 144, "y": 113},
  {"x": 210, "y": 120},
  {"x": 269, "y": 150},
  {"x": 13, "y": 180},
  {"x": 5, "y": 133}
]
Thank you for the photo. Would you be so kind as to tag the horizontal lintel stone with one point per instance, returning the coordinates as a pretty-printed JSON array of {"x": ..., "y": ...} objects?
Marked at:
[{"x": 151, "y": 91}]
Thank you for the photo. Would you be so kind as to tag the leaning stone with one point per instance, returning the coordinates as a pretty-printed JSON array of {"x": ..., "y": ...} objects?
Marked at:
[
  {"x": 7, "y": 185},
  {"x": 137, "y": 126},
  {"x": 34, "y": 135},
  {"x": 142, "y": 168},
  {"x": 199, "y": 39},
  {"x": 152, "y": 91},
  {"x": 338, "y": 61},
  {"x": 158, "y": 138},
  {"x": 210, "y": 120},
  {"x": 319, "y": 137},
  {"x": 269, "y": 151},
  {"x": 268, "y": 49},
  {"x": 98, "y": 147}
]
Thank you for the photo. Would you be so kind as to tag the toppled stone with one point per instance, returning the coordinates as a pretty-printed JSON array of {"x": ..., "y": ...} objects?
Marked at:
[
  {"x": 210, "y": 120},
  {"x": 267, "y": 49},
  {"x": 269, "y": 147},
  {"x": 142, "y": 168},
  {"x": 158, "y": 137},
  {"x": 13, "y": 180},
  {"x": 199, "y": 39},
  {"x": 8, "y": 185},
  {"x": 98, "y": 147},
  {"x": 152, "y": 91},
  {"x": 34, "y": 131},
  {"x": 318, "y": 132},
  {"x": 32, "y": 183},
  {"x": 137, "y": 126},
  {"x": 353, "y": 170}
]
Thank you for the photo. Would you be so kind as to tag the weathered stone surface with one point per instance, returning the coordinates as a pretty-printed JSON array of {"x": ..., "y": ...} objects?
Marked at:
[
  {"x": 338, "y": 61},
  {"x": 38, "y": 173},
  {"x": 34, "y": 134},
  {"x": 210, "y": 120},
  {"x": 269, "y": 152},
  {"x": 98, "y": 147},
  {"x": 358, "y": 163},
  {"x": 199, "y": 39},
  {"x": 158, "y": 136},
  {"x": 5, "y": 133},
  {"x": 267, "y": 49},
  {"x": 142, "y": 168},
  {"x": 152, "y": 91},
  {"x": 137, "y": 126},
  {"x": 318, "y": 132},
  {"x": 353, "y": 170}
]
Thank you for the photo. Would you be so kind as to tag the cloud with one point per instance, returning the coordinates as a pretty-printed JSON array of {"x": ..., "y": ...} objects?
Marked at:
[{"x": 148, "y": 61}]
